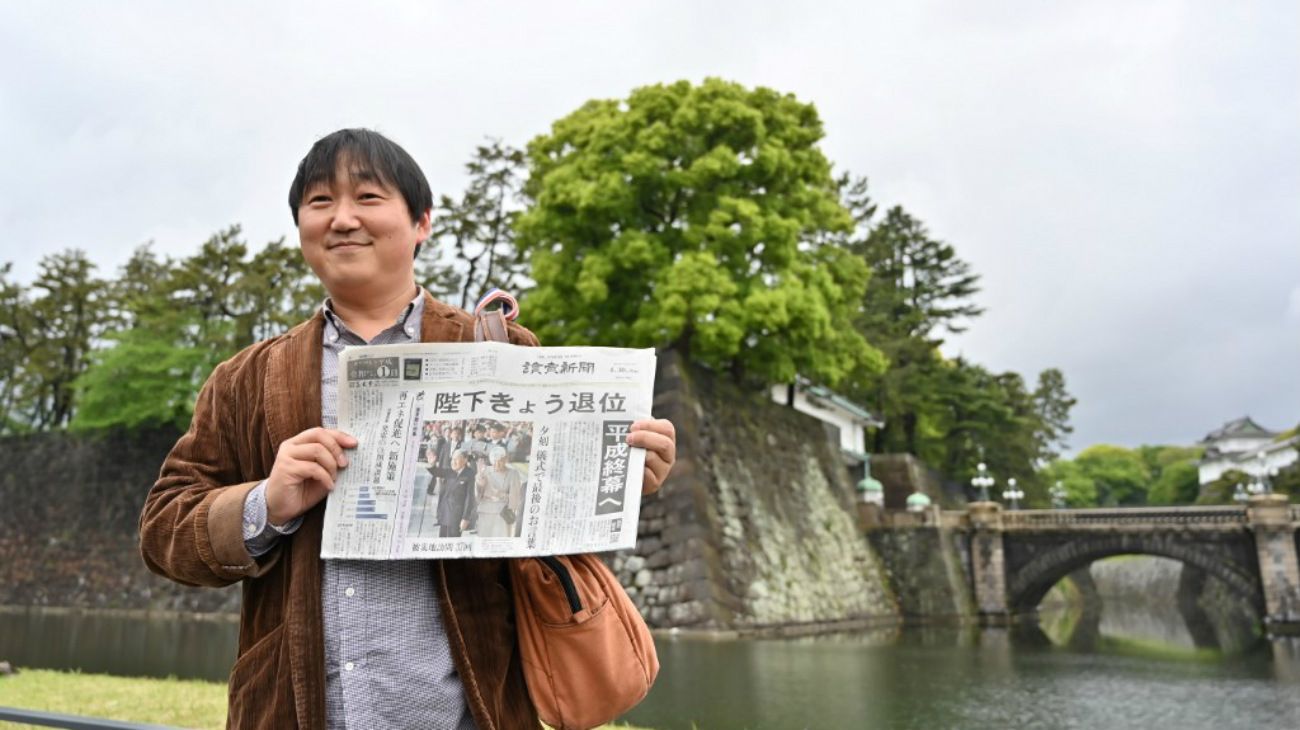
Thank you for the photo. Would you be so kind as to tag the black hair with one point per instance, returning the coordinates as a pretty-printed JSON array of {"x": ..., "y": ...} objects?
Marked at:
[{"x": 370, "y": 156}]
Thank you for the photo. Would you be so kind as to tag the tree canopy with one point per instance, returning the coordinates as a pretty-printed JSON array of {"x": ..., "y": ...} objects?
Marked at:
[{"x": 700, "y": 217}]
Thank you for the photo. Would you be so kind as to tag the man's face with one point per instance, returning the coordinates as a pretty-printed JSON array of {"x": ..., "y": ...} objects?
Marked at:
[
  {"x": 357, "y": 235},
  {"x": 457, "y": 434},
  {"x": 458, "y": 462},
  {"x": 498, "y": 433}
]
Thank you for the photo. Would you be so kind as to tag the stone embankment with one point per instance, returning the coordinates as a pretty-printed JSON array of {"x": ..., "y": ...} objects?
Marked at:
[
  {"x": 70, "y": 507},
  {"x": 755, "y": 529}
]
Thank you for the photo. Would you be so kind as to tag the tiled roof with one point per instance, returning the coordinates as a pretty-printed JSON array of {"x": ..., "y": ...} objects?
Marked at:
[{"x": 1242, "y": 427}]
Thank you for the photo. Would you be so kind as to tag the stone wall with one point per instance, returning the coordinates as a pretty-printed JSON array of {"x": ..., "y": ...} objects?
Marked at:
[
  {"x": 757, "y": 526},
  {"x": 69, "y": 507},
  {"x": 928, "y": 571}
]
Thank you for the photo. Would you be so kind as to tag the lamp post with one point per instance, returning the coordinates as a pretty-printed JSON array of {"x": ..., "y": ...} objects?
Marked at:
[
  {"x": 982, "y": 481},
  {"x": 1013, "y": 494},
  {"x": 1058, "y": 495},
  {"x": 1239, "y": 494},
  {"x": 1262, "y": 479}
]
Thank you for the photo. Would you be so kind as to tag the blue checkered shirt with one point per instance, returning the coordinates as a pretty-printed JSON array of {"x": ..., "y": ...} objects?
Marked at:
[{"x": 387, "y": 660}]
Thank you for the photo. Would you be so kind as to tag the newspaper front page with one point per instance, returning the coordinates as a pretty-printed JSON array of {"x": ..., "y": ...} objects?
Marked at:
[{"x": 488, "y": 450}]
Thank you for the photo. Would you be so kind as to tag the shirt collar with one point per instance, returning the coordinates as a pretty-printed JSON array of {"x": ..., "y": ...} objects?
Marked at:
[{"x": 336, "y": 326}]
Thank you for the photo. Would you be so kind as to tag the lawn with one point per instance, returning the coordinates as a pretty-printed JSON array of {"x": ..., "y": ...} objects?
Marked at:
[
  {"x": 180, "y": 702},
  {"x": 183, "y": 703}
]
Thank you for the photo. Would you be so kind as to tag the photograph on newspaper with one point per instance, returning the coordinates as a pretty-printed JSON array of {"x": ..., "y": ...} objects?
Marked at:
[{"x": 488, "y": 450}]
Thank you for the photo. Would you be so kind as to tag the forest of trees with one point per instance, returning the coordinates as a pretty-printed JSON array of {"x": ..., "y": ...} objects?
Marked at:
[{"x": 703, "y": 217}]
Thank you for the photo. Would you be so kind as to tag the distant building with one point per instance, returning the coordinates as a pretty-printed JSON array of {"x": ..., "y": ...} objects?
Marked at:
[
  {"x": 849, "y": 418},
  {"x": 1245, "y": 446}
]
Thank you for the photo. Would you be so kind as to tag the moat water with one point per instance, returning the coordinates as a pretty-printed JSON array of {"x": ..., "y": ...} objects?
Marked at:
[{"x": 1131, "y": 668}]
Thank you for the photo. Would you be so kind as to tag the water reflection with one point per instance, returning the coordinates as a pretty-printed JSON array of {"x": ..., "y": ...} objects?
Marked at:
[
  {"x": 932, "y": 677},
  {"x": 126, "y": 643}
]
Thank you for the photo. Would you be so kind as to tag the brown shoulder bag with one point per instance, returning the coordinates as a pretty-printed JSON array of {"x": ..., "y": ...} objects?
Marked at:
[{"x": 588, "y": 656}]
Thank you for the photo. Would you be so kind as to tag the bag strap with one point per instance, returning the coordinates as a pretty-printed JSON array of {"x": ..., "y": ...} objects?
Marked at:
[{"x": 490, "y": 324}]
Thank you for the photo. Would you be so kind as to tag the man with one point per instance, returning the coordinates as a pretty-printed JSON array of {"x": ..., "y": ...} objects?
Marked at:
[
  {"x": 457, "y": 506},
  {"x": 497, "y": 436},
  {"x": 339, "y": 643}
]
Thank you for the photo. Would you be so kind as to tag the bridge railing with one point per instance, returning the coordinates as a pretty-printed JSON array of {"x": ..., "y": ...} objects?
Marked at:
[{"x": 1217, "y": 517}]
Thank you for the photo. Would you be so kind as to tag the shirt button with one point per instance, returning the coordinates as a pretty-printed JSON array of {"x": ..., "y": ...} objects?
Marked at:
[
  {"x": 349, "y": 666},
  {"x": 350, "y": 592}
]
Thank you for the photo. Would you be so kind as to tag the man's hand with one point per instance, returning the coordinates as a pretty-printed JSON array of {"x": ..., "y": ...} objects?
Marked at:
[
  {"x": 304, "y": 472},
  {"x": 659, "y": 439}
]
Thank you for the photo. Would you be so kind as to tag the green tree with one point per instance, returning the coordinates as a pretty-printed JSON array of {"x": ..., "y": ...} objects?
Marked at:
[
  {"x": 920, "y": 290},
  {"x": 702, "y": 217},
  {"x": 18, "y": 336},
  {"x": 1052, "y": 405},
  {"x": 63, "y": 315},
  {"x": 471, "y": 248},
  {"x": 148, "y": 377},
  {"x": 1222, "y": 490},
  {"x": 1120, "y": 475},
  {"x": 178, "y": 319},
  {"x": 1080, "y": 489},
  {"x": 1178, "y": 483}
]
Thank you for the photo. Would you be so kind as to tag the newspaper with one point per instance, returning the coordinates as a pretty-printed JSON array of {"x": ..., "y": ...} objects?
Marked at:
[{"x": 488, "y": 450}]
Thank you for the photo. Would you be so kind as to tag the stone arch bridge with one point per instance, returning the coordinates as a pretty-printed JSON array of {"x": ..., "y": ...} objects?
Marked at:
[{"x": 1017, "y": 556}]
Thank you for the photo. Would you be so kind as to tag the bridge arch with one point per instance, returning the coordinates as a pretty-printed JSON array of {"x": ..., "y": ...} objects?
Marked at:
[{"x": 1034, "y": 566}]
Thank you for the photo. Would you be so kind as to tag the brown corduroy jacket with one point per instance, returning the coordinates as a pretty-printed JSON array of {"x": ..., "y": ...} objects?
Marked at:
[{"x": 191, "y": 531}]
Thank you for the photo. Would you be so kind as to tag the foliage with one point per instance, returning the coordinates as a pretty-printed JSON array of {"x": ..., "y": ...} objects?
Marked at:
[
  {"x": 1080, "y": 490},
  {"x": 1222, "y": 490},
  {"x": 952, "y": 413},
  {"x": 46, "y": 335},
  {"x": 471, "y": 248},
  {"x": 1287, "y": 481},
  {"x": 183, "y": 317},
  {"x": 700, "y": 217},
  {"x": 1178, "y": 483},
  {"x": 1157, "y": 475},
  {"x": 1119, "y": 474},
  {"x": 133, "y": 350},
  {"x": 149, "y": 376},
  {"x": 1052, "y": 404}
]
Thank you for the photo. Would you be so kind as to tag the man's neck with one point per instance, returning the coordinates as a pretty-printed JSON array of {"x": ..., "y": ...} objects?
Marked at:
[{"x": 368, "y": 316}]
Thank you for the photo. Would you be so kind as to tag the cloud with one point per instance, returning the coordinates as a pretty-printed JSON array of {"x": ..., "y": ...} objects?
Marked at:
[{"x": 1122, "y": 174}]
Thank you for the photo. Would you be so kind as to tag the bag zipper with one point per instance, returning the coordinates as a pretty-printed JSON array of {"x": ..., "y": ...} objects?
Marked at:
[{"x": 566, "y": 581}]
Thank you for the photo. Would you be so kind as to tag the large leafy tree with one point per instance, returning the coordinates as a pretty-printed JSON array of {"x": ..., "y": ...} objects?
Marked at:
[{"x": 698, "y": 216}]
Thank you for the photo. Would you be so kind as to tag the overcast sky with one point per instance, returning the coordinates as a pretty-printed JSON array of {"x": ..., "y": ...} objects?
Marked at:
[{"x": 1124, "y": 175}]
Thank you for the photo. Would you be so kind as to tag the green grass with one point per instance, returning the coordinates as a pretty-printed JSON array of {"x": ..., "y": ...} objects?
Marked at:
[{"x": 179, "y": 702}]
